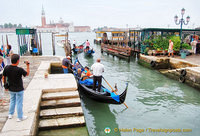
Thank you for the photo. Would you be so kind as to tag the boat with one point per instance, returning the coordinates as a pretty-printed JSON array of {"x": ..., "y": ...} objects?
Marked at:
[
  {"x": 78, "y": 49},
  {"x": 104, "y": 96},
  {"x": 61, "y": 43},
  {"x": 89, "y": 52}
]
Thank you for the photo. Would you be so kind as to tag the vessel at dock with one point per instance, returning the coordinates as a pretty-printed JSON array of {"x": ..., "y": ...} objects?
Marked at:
[
  {"x": 105, "y": 95},
  {"x": 117, "y": 45}
]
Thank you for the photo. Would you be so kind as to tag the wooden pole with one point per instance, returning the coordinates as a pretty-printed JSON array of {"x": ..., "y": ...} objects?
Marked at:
[
  {"x": 114, "y": 91},
  {"x": 7, "y": 39},
  {"x": 53, "y": 44},
  {"x": 40, "y": 49},
  {"x": 18, "y": 44},
  {"x": 65, "y": 45}
]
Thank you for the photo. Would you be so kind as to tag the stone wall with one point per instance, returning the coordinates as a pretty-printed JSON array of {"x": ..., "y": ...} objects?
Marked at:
[{"x": 181, "y": 70}]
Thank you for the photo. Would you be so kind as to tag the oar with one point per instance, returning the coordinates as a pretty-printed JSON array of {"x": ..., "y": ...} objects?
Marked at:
[
  {"x": 79, "y": 62},
  {"x": 114, "y": 91}
]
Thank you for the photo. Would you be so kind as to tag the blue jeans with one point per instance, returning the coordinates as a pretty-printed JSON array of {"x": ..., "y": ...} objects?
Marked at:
[
  {"x": 65, "y": 70},
  {"x": 16, "y": 98}
]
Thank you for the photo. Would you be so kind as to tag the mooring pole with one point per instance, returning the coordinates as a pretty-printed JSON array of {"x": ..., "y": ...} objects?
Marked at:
[
  {"x": 18, "y": 45},
  {"x": 7, "y": 39},
  {"x": 40, "y": 49},
  {"x": 53, "y": 44}
]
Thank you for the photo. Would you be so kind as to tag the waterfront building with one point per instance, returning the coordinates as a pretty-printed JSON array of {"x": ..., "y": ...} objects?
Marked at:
[
  {"x": 60, "y": 26},
  {"x": 82, "y": 29}
]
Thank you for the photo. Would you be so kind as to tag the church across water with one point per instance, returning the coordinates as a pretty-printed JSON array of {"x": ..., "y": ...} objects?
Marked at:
[{"x": 59, "y": 26}]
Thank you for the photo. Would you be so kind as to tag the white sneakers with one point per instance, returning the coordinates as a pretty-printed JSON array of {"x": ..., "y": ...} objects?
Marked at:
[
  {"x": 23, "y": 118},
  {"x": 10, "y": 116},
  {"x": 18, "y": 119}
]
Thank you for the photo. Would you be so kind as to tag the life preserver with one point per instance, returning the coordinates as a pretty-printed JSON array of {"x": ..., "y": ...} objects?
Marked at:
[
  {"x": 153, "y": 63},
  {"x": 181, "y": 79},
  {"x": 183, "y": 72}
]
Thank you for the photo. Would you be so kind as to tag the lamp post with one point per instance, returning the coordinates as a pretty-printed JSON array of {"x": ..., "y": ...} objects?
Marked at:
[{"x": 181, "y": 21}]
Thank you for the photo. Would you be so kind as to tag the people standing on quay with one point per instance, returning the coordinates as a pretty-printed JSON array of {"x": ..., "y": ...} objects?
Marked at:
[
  {"x": 8, "y": 54},
  {"x": 98, "y": 70},
  {"x": 14, "y": 84},
  {"x": 170, "y": 49},
  {"x": 1, "y": 83},
  {"x": 194, "y": 44},
  {"x": 66, "y": 64}
]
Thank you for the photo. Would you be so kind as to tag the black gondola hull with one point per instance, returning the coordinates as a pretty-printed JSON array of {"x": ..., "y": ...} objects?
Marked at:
[{"x": 100, "y": 97}]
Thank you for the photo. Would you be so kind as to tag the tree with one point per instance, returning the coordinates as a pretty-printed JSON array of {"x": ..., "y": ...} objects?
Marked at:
[
  {"x": 15, "y": 25},
  {"x": 19, "y": 26},
  {"x": 10, "y": 25},
  {"x": 5, "y": 25}
]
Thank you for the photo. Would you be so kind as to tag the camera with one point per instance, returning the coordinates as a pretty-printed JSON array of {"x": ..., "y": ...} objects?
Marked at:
[{"x": 26, "y": 62}]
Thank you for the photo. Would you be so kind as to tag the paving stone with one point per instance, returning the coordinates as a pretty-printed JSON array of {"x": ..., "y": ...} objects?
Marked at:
[
  {"x": 60, "y": 95},
  {"x": 61, "y": 103},
  {"x": 61, "y": 122},
  {"x": 61, "y": 112}
]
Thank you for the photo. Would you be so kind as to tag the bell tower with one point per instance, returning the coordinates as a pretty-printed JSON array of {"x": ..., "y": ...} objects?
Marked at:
[{"x": 43, "y": 18}]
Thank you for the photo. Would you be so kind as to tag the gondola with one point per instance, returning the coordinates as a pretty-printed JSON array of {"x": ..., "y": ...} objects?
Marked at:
[
  {"x": 78, "y": 49},
  {"x": 104, "y": 96},
  {"x": 89, "y": 52}
]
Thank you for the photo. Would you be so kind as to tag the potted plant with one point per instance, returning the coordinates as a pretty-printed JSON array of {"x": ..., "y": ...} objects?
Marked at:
[{"x": 183, "y": 53}]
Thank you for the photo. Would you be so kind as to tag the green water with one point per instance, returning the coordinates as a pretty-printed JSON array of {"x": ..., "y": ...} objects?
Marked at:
[{"x": 155, "y": 101}]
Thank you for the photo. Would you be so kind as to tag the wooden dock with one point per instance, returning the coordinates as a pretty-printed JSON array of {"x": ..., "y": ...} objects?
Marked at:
[{"x": 122, "y": 52}]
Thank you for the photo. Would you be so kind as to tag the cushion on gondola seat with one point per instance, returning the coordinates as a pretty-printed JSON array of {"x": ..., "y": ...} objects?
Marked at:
[
  {"x": 112, "y": 94},
  {"x": 87, "y": 82}
]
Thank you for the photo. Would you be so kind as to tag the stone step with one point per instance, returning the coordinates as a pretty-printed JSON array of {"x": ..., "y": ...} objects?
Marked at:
[
  {"x": 73, "y": 102},
  {"x": 61, "y": 112},
  {"x": 61, "y": 122},
  {"x": 60, "y": 95}
]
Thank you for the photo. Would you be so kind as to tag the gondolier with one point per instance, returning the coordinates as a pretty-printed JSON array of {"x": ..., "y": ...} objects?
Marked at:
[
  {"x": 98, "y": 70},
  {"x": 74, "y": 44},
  {"x": 105, "y": 95},
  {"x": 66, "y": 64}
]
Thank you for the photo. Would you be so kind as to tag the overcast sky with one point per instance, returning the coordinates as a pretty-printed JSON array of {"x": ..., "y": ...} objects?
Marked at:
[{"x": 98, "y": 13}]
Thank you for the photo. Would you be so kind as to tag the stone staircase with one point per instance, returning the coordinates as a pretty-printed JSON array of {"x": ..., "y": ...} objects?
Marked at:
[{"x": 60, "y": 110}]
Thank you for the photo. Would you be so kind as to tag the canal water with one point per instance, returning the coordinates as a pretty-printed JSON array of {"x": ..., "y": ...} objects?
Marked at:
[{"x": 156, "y": 103}]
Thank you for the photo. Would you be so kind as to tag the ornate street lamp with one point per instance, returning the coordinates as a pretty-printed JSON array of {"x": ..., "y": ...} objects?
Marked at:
[{"x": 181, "y": 21}]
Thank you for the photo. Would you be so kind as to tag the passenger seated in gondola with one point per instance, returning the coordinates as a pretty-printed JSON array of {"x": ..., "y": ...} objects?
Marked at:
[
  {"x": 77, "y": 66},
  {"x": 79, "y": 73},
  {"x": 86, "y": 74}
]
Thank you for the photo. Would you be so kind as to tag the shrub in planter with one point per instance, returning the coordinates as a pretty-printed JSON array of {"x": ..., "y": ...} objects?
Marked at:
[
  {"x": 186, "y": 46},
  {"x": 176, "y": 40}
]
